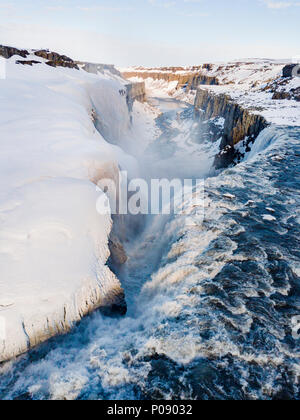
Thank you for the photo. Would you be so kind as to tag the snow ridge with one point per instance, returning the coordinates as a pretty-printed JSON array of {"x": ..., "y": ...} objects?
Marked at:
[{"x": 53, "y": 243}]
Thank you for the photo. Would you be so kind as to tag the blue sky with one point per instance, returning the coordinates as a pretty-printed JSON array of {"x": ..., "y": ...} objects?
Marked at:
[{"x": 154, "y": 32}]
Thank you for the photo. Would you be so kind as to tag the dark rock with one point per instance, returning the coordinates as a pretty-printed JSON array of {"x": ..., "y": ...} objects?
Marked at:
[
  {"x": 225, "y": 158},
  {"x": 28, "y": 62},
  {"x": 52, "y": 56},
  {"x": 117, "y": 308},
  {"x": 208, "y": 67},
  {"x": 282, "y": 95},
  {"x": 56, "y": 60},
  {"x": 60, "y": 63},
  {"x": 289, "y": 70},
  {"x": 8, "y": 52},
  {"x": 295, "y": 94},
  {"x": 240, "y": 123},
  {"x": 280, "y": 89}
]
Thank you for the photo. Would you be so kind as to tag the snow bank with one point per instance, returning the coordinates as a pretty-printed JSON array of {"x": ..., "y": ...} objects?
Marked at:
[{"x": 53, "y": 243}]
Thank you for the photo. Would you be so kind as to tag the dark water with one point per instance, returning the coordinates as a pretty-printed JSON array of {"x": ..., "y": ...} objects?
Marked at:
[{"x": 211, "y": 301}]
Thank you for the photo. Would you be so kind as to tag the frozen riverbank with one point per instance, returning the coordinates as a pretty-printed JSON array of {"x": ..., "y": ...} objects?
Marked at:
[{"x": 53, "y": 243}]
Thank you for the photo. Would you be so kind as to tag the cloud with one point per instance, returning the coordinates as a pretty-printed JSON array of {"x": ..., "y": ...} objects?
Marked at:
[{"x": 277, "y": 5}]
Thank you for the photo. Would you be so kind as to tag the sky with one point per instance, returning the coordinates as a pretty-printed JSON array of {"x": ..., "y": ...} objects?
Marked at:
[{"x": 154, "y": 32}]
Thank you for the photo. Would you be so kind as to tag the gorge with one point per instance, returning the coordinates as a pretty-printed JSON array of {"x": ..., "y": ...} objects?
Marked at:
[{"x": 209, "y": 300}]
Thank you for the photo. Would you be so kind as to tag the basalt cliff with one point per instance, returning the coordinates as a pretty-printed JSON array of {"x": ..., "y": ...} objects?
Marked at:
[
  {"x": 189, "y": 80},
  {"x": 237, "y": 124},
  {"x": 234, "y": 101}
]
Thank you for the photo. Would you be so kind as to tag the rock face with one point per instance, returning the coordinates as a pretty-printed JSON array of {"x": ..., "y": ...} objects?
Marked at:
[
  {"x": 8, "y": 52},
  {"x": 135, "y": 92},
  {"x": 117, "y": 251},
  {"x": 281, "y": 87},
  {"x": 52, "y": 56},
  {"x": 290, "y": 70},
  {"x": 95, "y": 68},
  {"x": 56, "y": 60},
  {"x": 239, "y": 124},
  {"x": 186, "y": 80},
  {"x": 281, "y": 95}
]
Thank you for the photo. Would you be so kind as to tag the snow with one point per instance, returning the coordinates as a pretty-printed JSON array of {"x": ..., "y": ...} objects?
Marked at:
[
  {"x": 229, "y": 196},
  {"x": 53, "y": 243},
  {"x": 269, "y": 218}
]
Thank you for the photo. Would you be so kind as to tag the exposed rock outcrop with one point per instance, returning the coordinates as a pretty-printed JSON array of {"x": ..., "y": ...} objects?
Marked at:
[
  {"x": 118, "y": 255},
  {"x": 135, "y": 92},
  {"x": 281, "y": 95},
  {"x": 52, "y": 56},
  {"x": 56, "y": 60},
  {"x": 186, "y": 80},
  {"x": 238, "y": 124},
  {"x": 281, "y": 90},
  {"x": 62, "y": 64},
  {"x": 291, "y": 70},
  {"x": 95, "y": 68},
  {"x": 27, "y": 62},
  {"x": 8, "y": 52}
]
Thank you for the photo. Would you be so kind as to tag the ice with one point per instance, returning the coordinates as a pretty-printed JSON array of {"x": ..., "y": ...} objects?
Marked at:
[
  {"x": 269, "y": 218},
  {"x": 53, "y": 243}
]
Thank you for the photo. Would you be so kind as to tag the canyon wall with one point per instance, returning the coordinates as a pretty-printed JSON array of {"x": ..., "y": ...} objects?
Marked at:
[
  {"x": 237, "y": 124},
  {"x": 135, "y": 92},
  {"x": 187, "y": 80},
  {"x": 95, "y": 68}
]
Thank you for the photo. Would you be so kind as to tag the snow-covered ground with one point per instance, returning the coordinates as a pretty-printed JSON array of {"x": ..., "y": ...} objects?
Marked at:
[{"x": 53, "y": 243}]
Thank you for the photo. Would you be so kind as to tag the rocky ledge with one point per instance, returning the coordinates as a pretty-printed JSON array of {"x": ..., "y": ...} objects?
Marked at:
[
  {"x": 135, "y": 92},
  {"x": 56, "y": 60},
  {"x": 281, "y": 88},
  {"x": 186, "y": 80},
  {"x": 8, "y": 52},
  {"x": 53, "y": 59},
  {"x": 228, "y": 120}
]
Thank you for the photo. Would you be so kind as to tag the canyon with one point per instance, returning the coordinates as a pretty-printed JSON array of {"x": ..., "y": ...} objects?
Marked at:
[
  {"x": 101, "y": 119},
  {"x": 234, "y": 101}
]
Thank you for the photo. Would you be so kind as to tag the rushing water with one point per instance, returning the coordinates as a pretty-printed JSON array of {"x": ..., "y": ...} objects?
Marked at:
[{"x": 210, "y": 302}]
